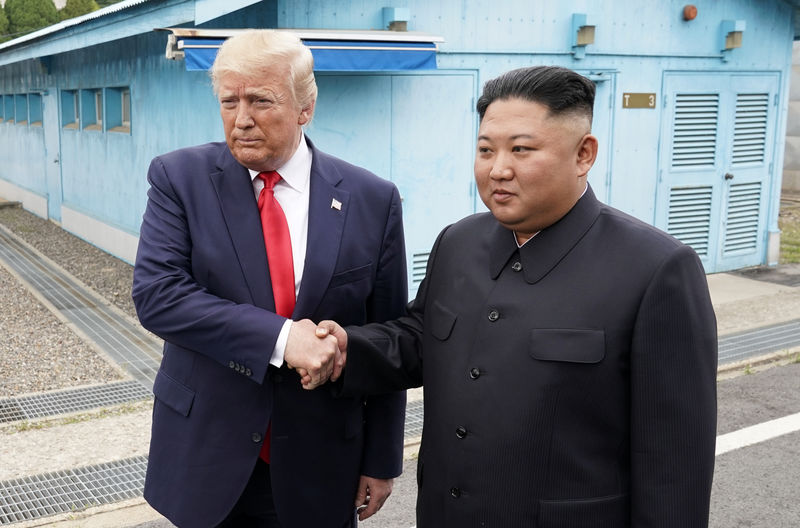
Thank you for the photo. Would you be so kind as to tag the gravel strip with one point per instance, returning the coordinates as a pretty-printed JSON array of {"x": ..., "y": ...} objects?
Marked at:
[
  {"x": 105, "y": 274},
  {"x": 38, "y": 352}
]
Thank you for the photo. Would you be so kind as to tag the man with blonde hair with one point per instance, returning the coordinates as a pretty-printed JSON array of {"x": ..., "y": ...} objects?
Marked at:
[{"x": 240, "y": 244}]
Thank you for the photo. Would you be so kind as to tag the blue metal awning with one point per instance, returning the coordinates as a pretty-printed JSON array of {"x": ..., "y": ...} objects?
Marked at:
[{"x": 333, "y": 50}]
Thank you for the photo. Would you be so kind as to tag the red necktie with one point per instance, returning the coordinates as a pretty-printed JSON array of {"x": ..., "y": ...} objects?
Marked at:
[{"x": 279, "y": 257}]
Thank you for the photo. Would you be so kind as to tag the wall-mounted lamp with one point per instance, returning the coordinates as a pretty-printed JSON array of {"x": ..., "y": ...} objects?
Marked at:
[
  {"x": 689, "y": 12},
  {"x": 396, "y": 18},
  {"x": 731, "y": 32},
  {"x": 582, "y": 34}
]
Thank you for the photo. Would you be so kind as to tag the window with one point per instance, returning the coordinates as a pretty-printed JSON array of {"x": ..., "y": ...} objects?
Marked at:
[
  {"x": 69, "y": 108},
  {"x": 8, "y": 103},
  {"x": 21, "y": 108},
  {"x": 118, "y": 109},
  {"x": 92, "y": 109},
  {"x": 35, "y": 109},
  {"x": 2, "y": 110}
]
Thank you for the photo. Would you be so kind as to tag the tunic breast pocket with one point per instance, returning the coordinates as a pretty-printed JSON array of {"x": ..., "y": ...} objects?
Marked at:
[
  {"x": 441, "y": 321},
  {"x": 569, "y": 345}
]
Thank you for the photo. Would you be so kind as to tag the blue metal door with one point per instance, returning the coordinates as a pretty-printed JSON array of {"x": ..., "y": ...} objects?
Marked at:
[
  {"x": 716, "y": 165},
  {"x": 415, "y": 130},
  {"x": 52, "y": 147}
]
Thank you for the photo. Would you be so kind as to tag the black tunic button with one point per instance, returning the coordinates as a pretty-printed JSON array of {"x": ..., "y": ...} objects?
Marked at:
[
  {"x": 455, "y": 492},
  {"x": 248, "y": 373},
  {"x": 256, "y": 437},
  {"x": 517, "y": 266},
  {"x": 494, "y": 315},
  {"x": 277, "y": 378},
  {"x": 231, "y": 364},
  {"x": 461, "y": 432},
  {"x": 474, "y": 373}
]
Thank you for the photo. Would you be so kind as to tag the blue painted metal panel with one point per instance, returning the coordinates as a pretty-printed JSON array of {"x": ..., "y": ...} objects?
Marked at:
[
  {"x": 23, "y": 156},
  {"x": 353, "y": 120},
  {"x": 375, "y": 121}
]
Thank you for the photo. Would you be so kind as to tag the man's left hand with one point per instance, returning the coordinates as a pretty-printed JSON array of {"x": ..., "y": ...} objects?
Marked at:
[{"x": 372, "y": 493}]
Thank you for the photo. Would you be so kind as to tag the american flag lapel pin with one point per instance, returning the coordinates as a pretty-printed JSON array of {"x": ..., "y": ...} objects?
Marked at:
[{"x": 336, "y": 204}]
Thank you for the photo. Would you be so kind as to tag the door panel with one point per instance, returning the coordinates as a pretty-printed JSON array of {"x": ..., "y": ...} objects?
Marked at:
[
  {"x": 52, "y": 145},
  {"x": 433, "y": 133},
  {"x": 415, "y": 130},
  {"x": 715, "y": 176}
]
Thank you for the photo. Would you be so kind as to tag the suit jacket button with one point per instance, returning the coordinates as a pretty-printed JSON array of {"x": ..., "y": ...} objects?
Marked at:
[
  {"x": 474, "y": 373},
  {"x": 494, "y": 315},
  {"x": 461, "y": 432},
  {"x": 455, "y": 492},
  {"x": 256, "y": 437},
  {"x": 517, "y": 266}
]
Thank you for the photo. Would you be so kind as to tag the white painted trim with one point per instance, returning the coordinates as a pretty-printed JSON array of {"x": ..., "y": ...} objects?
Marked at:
[
  {"x": 35, "y": 203},
  {"x": 758, "y": 433},
  {"x": 119, "y": 243}
]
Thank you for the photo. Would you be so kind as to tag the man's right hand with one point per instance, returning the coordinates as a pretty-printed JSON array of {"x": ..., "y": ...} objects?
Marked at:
[
  {"x": 332, "y": 328},
  {"x": 325, "y": 330},
  {"x": 314, "y": 357}
]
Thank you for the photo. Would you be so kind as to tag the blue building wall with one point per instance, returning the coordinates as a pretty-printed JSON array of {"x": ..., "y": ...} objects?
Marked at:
[{"x": 415, "y": 128}]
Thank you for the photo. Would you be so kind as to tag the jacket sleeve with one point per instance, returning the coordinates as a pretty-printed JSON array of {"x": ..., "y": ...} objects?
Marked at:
[
  {"x": 173, "y": 305},
  {"x": 389, "y": 356},
  {"x": 673, "y": 397}
]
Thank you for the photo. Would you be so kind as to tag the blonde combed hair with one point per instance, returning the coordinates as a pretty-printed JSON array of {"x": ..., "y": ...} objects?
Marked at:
[{"x": 252, "y": 52}]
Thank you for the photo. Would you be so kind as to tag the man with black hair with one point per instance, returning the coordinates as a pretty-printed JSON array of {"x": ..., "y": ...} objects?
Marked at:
[{"x": 567, "y": 351}]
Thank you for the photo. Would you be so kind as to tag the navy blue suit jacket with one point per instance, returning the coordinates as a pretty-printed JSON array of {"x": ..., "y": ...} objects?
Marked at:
[{"x": 201, "y": 282}]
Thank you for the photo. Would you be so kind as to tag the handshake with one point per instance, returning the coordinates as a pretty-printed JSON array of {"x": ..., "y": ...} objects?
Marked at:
[{"x": 317, "y": 352}]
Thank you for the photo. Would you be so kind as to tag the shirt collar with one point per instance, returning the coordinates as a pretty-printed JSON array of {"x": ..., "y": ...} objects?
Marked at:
[{"x": 297, "y": 171}]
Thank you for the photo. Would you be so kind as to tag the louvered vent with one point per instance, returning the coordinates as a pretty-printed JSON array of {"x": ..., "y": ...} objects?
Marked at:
[
  {"x": 741, "y": 228},
  {"x": 690, "y": 217},
  {"x": 750, "y": 128},
  {"x": 418, "y": 264},
  {"x": 694, "y": 137}
]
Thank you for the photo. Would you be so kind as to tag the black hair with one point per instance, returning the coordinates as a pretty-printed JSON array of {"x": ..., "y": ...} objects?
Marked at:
[{"x": 559, "y": 89}]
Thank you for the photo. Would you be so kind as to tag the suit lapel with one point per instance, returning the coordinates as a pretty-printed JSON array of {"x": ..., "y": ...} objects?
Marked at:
[
  {"x": 234, "y": 190},
  {"x": 325, "y": 229}
]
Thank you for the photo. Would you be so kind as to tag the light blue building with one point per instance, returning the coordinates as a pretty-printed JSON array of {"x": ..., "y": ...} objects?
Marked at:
[{"x": 690, "y": 112}]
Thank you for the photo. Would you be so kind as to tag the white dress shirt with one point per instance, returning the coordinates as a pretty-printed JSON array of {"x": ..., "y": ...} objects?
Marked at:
[{"x": 292, "y": 192}]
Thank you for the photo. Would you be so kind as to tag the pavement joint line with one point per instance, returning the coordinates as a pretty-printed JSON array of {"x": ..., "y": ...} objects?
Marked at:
[{"x": 758, "y": 433}]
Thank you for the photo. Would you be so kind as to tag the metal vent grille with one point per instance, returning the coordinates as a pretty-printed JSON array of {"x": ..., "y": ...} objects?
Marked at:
[
  {"x": 690, "y": 217},
  {"x": 750, "y": 128},
  {"x": 741, "y": 227},
  {"x": 414, "y": 419},
  {"x": 782, "y": 336},
  {"x": 72, "y": 490},
  {"x": 71, "y": 400},
  {"x": 694, "y": 136},
  {"x": 419, "y": 262}
]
